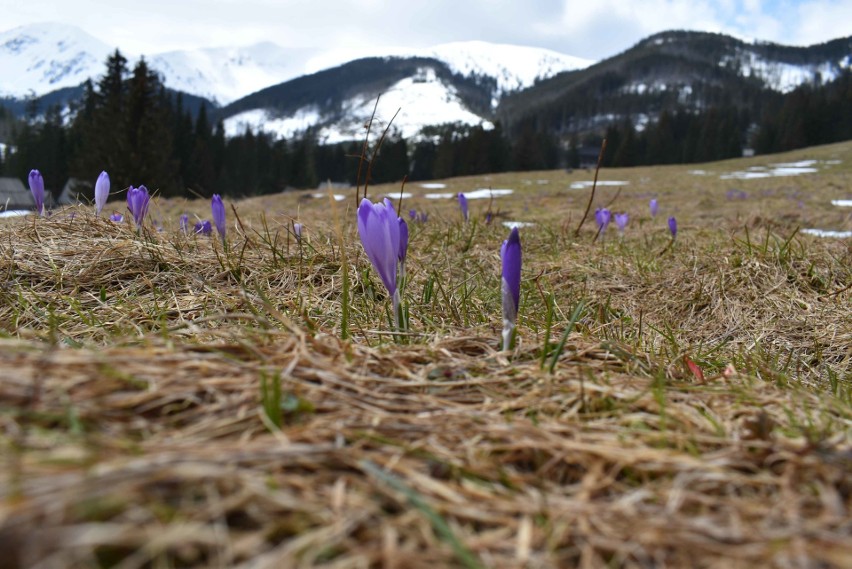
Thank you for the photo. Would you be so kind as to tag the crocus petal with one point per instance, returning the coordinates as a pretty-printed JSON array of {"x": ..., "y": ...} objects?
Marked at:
[
  {"x": 673, "y": 226},
  {"x": 378, "y": 227},
  {"x": 101, "y": 192},
  {"x": 37, "y": 188},
  {"x": 218, "y": 209},
  {"x": 463, "y": 205},
  {"x": 654, "y": 207},
  {"x": 621, "y": 220},
  {"x": 510, "y": 252}
]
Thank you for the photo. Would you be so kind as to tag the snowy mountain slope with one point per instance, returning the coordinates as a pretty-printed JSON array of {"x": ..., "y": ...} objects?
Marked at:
[
  {"x": 512, "y": 66},
  {"x": 422, "y": 99},
  {"x": 40, "y": 59},
  {"x": 225, "y": 74},
  {"x": 783, "y": 76}
]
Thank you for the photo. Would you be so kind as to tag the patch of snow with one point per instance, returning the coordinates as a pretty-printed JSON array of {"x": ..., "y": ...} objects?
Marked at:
[
  {"x": 260, "y": 120},
  {"x": 485, "y": 193},
  {"x": 842, "y": 203},
  {"x": 337, "y": 197},
  {"x": 15, "y": 213},
  {"x": 698, "y": 172},
  {"x": 439, "y": 196},
  {"x": 433, "y": 185},
  {"x": 423, "y": 99},
  {"x": 778, "y": 170},
  {"x": 590, "y": 183},
  {"x": 404, "y": 196},
  {"x": 781, "y": 76},
  {"x": 828, "y": 233},
  {"x": 518, "y": 224}
]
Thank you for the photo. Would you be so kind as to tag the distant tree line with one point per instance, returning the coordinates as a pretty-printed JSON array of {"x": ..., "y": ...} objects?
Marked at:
[{"x": 130, "y": 125}]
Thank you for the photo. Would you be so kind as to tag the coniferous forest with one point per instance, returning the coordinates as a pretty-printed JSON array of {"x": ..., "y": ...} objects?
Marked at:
[{"x": 130, "y": 125}]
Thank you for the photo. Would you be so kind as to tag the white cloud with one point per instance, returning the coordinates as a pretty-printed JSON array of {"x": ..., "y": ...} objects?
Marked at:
[{"x": 585, "y": 28}]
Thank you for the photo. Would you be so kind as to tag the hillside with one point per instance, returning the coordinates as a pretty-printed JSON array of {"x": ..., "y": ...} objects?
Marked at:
[{"x": 667, "y": 71}]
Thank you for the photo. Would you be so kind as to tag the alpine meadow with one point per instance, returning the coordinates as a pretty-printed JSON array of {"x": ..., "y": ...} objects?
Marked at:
[{"x": 676, "y": 389}]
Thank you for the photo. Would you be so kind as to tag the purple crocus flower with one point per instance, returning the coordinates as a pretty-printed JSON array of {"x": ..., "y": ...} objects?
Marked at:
[
  {"x": 654, "y": 207},
  {"x": 510, "y": 254},
  {"x": 424, "y": 217},
  {"x": 137, "y": 203},
  {"x": 621, "y": 220},
  {"x": 184, "y": 222},
  {"x": 297, "y": 231},
  {"x": 218, "y": 209},
  {"x": 463, "y": 205},
  {"x": 379, "y": 228},
  {"x": 203, "y": 227},
  {"x": 602, "y": 217},
  {"x": 37, "y": 188},
  {"x": 673, "y": 226},
  {"x": 116, "y": 217},
  {"x": 488, "y": 217},
  {"x": 412, "y": 214},
  {"x": 101, "y": 192}
]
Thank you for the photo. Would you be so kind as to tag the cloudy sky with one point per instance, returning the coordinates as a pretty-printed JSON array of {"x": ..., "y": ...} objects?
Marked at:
[{"x": 587, "y": 28}]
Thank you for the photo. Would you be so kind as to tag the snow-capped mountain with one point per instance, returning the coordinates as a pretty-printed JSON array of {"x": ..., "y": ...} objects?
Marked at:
[
  {"x": 225, "y": 74},
  {"x": 422, "y": 99},
  {"x": 38, "y": 59}
]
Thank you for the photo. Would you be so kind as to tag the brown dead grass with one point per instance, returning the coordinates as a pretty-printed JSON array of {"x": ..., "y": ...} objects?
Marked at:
[{"x": 133, "y": 433}]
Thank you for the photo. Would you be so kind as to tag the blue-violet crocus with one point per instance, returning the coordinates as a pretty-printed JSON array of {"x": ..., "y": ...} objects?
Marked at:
[
  {"x": 101, "y": 192},
  {"x": 621, "y": 220},
  {"x": 463, "y": 205},
  {"x": 378, "y": 227},
  {"x": 37, "y": 188},
  {"x": 218, "y": 209},
  {"x": 204, "y": 227},
  {"x": 673, "y": 227},
  {"x": 602, "y": 218},
  {"x": 654, "y": 207},
  {"x": 137, "y": 203},
  {"x": 510, "y": 254},
  {"x": 116, "y": 217},
  {"x": 297, "y": 231}
]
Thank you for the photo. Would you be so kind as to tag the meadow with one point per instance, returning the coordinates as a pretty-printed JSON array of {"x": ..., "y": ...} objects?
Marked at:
[{"x": 166, "y": 401}]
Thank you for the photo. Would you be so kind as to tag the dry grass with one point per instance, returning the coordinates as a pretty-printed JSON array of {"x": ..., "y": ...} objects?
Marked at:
[{"x": 134, "y": 434}]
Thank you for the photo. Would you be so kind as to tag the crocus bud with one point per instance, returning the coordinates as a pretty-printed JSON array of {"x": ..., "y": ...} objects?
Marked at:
[
  {"x": 218, "y": 209},
  {"x": 621, "y": 220},
  {"x": 379, "y": 228},
  {"x": 101, "y": 192},
  {"x": 463, "y": 206},
  {"x": 412, "y": 214},
  {"x": 510, "y": 254},
  {"x": 602, "y": 217},
  {"x": 116, "y": 217},
  {"x": 37, "y": 188},
  {"x": 673, "y": 227},
  {"x": 137, "y": 204},
  {"x": 654, "y": 207},
  {"x": 203, "y": 227},
  {"x": 297, "y": 231}
]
